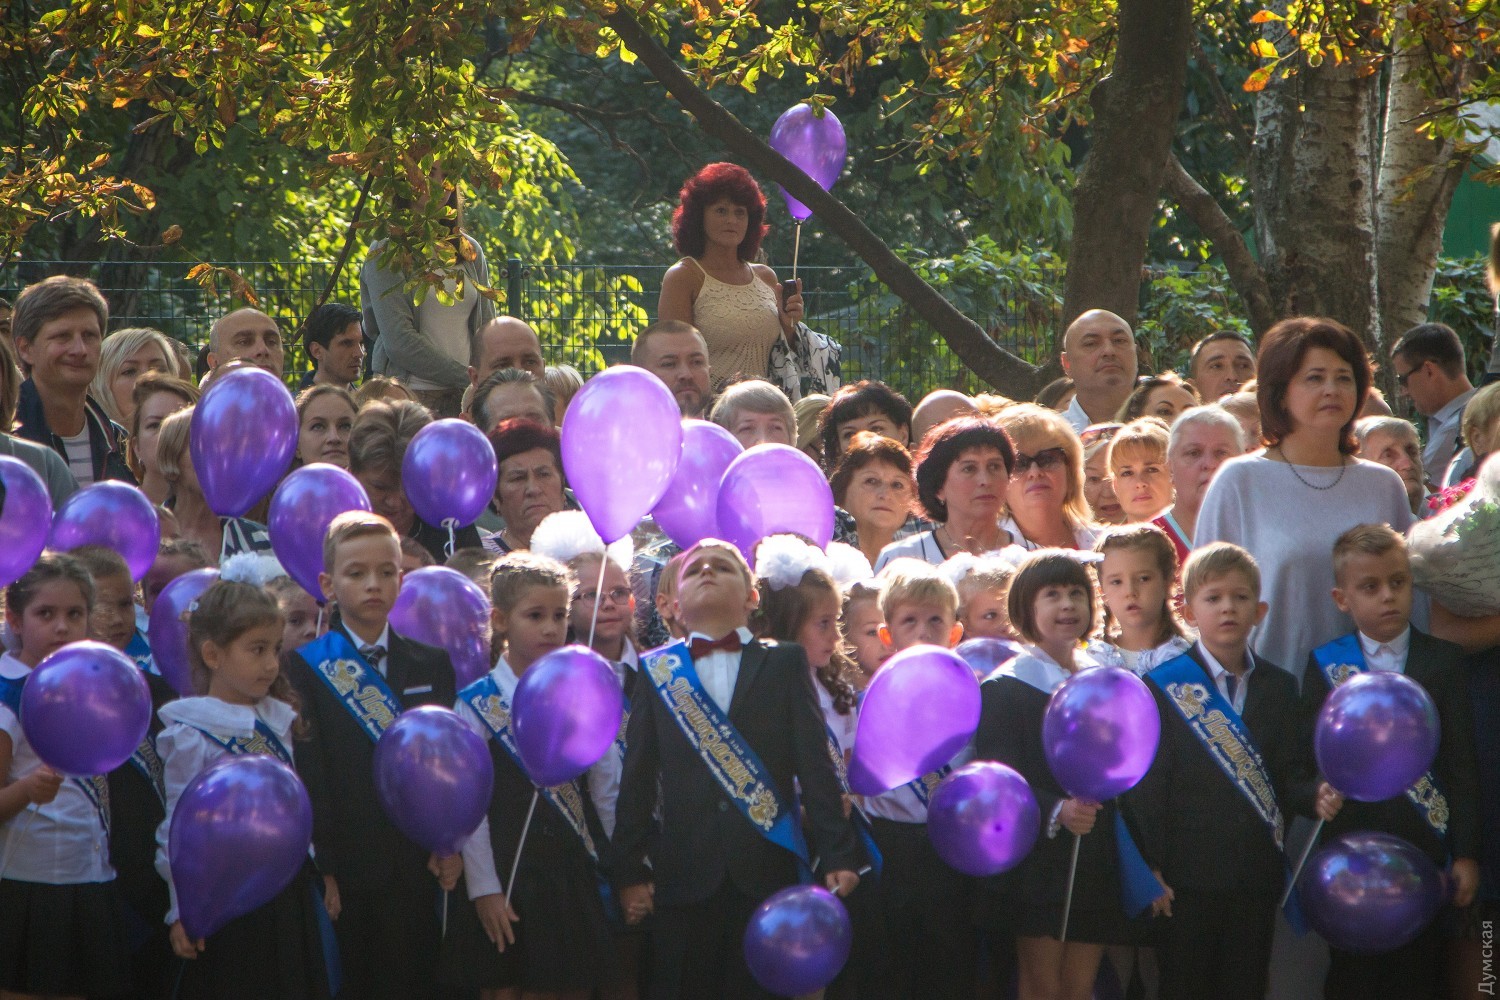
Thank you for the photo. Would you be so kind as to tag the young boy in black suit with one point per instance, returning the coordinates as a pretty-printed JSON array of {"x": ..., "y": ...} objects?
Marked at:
[
  {"x": 1210, "y": 811},
  {"x": 1440, "y": 816},
  {"x": 719, "y": 854},
  {"x": 353, "y": 682}
]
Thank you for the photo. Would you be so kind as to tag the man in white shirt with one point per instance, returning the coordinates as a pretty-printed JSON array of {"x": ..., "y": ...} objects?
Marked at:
[
  {"x": 1429, "y": 365},
  {"x": 1099, "y": 355}
]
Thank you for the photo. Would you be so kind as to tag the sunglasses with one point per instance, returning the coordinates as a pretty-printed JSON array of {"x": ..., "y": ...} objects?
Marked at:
[
  {"x": 1046, "y": 460},
  {"x": 1401, "y": 377}
]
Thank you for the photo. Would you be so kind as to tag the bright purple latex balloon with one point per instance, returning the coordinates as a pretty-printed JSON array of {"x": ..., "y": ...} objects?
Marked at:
[
  {"x": 984, "y": 655},
  {"x": 239, "y": 835},
  {"x": 983, "y": 819},
  {"x": 302, "y": 508},
  {"x": 434, "y": 777},
  {"x": 689, "y": 512},
  {"x": 449, "y": 473},
  {"x": 621, "y": 441},
  {"x": 85, "y": 709},
  {"x": 798, "y": 940},
  {"x": 771, "y": 489},
  {"x": 1376, "y": 735},
  {"x": 243, "y": 437},
  {"x": 566, "y": 714},
  {"x": 167, "y": 632},
  {"x": 112, "y": 514},
  {"x": 442, "y": 607},
  {"x": 25, "y": 519},
  {"x": 920, "y": 710},
  {"x": 815, "y": 144},
  {"x": 1370, "y": 892},
  {"x": 1100, "y": 733}
]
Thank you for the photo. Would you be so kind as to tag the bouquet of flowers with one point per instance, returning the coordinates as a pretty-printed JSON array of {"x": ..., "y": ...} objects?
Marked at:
[{"x": 1455, "y": 555}]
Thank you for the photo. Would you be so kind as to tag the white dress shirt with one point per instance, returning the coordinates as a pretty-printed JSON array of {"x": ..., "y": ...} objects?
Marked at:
[
  {"x": 1442, "y": 434},
  {"x": 720, "y": 669},
  {"x": 1220, "y": 676},
  {"x": 479, "y": 854},
  {"x": 384, "y": 642},
  {"x": 62, "y": 842},
  {"x": 1076, "y": 416},
  {"x": 185, "y": 751},
  {"x": 1386, "y": 655}
]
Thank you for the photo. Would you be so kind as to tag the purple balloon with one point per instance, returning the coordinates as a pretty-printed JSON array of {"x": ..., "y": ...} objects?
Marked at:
[
  {"x": 1100, "y": 733},
  {"x": 167, "y": 632},
  {"x": 566, "y": 714},
  {"x": 1370, "y": 892},
  {"x": 25, "y": 519},
  {"x": 815, "y": 144},
  {"x": 85, "y": 709},
  {"x": 112, "y": 514},
  {"x": 434, "y": 777},
  {"x": 771, "y": 489},
  {"x": 689, "y": 512},
  {"x": 442, "y": 607},
  {"x": 983, "y": 819},
  {"x": 239, "y": 836},
  {"x": 243, "y": 437},
  {"x": 1376, "y": 735},
  {"x": 985, "y": 655},
  {"x": 918, "y": 712},
  {"x": 302, "y": 508},
  {"x": 798, "y": 940},
  {"x": 621, "y": 441},
  {"x": 449, "y": 473}
]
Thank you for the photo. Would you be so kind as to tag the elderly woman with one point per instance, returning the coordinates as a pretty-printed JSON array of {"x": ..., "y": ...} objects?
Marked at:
[
  {"x": 963, "y": 467},
  {"x": 1045, "y": 492},
  {"x": 756, "y": 412},
  {"x": 154, "y": 398},
  {"x": 325, "y": 419},
  {"x": 1098, "y": 487},
  {"x": 227, "y": 536},
  {"x": 531, "y": 480},
  {"x": 1202, "y": 439},
  {"x": 45, "y": 462},
  {"x": 1393, "y": 443},
  {"x": 735, "y": 303},
  {"x": 873, "y": 483},
  {"x": 125, "y": 356}
]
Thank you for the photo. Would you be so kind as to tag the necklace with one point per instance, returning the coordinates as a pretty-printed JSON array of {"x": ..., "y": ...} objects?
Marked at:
[
  {"x": 1314, "y": 486},
  {"x": 954, "y": 542}
]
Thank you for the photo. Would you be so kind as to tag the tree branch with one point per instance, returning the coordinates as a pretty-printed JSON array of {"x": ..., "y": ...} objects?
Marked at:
[{"x": 1003, "y": 370}]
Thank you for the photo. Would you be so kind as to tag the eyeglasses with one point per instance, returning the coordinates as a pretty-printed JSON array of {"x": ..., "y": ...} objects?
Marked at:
[
  {"x": 1095, "y": 433},
  {"x": 619, "y": 595},
  {"x": 1401, "y": 377},
  {"x": 1046, "y": 460}
]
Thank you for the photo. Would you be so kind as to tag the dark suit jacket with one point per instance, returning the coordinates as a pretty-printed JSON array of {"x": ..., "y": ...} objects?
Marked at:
[
  {"x": 356, "y": 842},
  {"x": 1196, "y": 826},
  {"x": 1437, "y": 666},
  {"x": 704, "y": 839},
  {"x": 135, "y": 812}
]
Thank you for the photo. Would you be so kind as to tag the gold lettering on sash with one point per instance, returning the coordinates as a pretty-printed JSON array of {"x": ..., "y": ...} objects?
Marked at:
[{"x": 1221, "y": 739}]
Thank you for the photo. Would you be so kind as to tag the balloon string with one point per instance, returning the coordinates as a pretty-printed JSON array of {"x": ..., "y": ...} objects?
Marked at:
[
  {"x": 443, "y": 933},
  {"x": 452, "y": 539},
  {"x": 796, "y": 246},
  {"x": 10, "y": 844},
  {"x": 320, "y": 618},
  {"x": 1302, "y": 860},
  {"x": 510, "y": 886},
  {"x": 598, "y": 599},
  {"x": 1068, "y": 892}
]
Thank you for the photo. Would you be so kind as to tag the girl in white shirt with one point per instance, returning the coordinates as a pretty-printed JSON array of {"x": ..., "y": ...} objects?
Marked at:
[
  {"x": 1141, "y": 629},
  {"x": 234, "y": 645},
  {"x": 62, "y": 921}
]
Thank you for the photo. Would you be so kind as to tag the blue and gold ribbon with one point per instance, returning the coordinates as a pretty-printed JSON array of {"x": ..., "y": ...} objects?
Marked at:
[
  {"x": 261, "y": 740},
  {"x": 359, "y": 687}
]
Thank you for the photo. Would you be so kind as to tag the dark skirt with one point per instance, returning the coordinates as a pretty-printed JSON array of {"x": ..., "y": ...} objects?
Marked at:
[
  {"x": 63, "y": 939},
  {"x": 1028, "y": 900},
  {"x": 272, "y": 953}
]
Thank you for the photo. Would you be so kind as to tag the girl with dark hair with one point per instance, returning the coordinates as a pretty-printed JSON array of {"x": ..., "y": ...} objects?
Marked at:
[{"x": 736, "y": 304}]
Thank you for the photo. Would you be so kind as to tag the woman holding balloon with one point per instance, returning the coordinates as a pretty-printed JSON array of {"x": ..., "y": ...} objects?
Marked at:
[{"x": 736, "y": 304}]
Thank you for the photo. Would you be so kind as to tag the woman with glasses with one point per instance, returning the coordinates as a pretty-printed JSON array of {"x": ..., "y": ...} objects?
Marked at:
[
  {"x": 1045, "y": 493},
  {"x": 963, "y": 467}
]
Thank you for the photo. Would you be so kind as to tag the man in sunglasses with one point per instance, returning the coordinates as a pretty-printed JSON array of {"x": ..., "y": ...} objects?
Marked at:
[
  {"x": 1099, "y": 355},
  {"x": 1428, "y": 362}
]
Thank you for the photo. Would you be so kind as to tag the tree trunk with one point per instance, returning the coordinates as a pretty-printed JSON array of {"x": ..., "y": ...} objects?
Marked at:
[
  {"x": 1115, "y": 202},
  {"x": 1001, "y": 369},
  {"x": 1417, "y": 178},
  {"x": 1313, "y": 170}
]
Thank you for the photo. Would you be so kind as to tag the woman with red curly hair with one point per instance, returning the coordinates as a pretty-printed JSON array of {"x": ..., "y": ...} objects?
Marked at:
[{"x": 735, "y": 303}]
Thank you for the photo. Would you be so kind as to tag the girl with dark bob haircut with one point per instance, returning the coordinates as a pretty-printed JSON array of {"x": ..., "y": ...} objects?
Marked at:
[
  {"x": 714, "y": 182},
  {"x": 943, "y": 446},
  {"x": 865, "y": 398},
  {"x": 1282, "y": 351}
]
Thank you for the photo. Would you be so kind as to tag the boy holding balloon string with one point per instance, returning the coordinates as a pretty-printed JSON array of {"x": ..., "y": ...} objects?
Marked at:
[{"x": 1373, "y": 585}]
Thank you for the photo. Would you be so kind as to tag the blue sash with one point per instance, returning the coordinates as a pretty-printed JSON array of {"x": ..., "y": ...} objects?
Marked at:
[
  {"x": 1139, "y": 886},
  {"x": 1222, "y": 732},
  {"x": 357, "y": 685},
  {"x": 1342, "y": 659},
  {"x": 732, "y": 762},
  {"x": 857, "y": 817},
  {"x": 484, "y": 697},
  {"x": 261, "y": 740},
  {"x": 140, "y": 651},
  {"x": 95, "y": 787}
]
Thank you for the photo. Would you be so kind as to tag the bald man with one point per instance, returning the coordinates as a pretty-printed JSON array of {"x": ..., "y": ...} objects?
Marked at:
[
  {"x": 1099, "y": 355},
  {"x": 938, "y": 407},
  {"x": 505, "y": 342},
  {"x": 249, "y": 334}
]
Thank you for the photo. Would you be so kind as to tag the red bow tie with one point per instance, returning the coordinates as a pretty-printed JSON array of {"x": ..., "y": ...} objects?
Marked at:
[{"x": 729, "y": 644}]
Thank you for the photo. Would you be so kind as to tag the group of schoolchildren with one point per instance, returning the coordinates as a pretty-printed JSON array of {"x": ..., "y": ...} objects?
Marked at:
[{"x": 726, "y": 782}]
